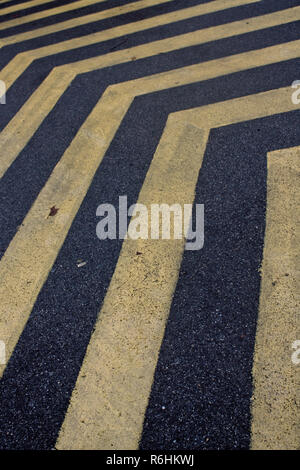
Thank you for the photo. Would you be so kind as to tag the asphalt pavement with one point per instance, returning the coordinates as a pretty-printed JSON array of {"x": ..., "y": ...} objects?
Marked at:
[{"x": 126, "y": 344}]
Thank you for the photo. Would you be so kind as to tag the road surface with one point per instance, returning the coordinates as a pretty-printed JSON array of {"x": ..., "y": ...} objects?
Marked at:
[{"x": 142, "y": 343}]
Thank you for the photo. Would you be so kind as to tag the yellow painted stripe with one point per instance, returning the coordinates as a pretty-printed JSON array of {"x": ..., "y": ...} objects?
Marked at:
[
  {"x": 190, "y": 39},
  {"x": 123, "y": 352},
  {"x": 82, "y": 20},
  {"x": 23, "y": 270},
  {"x": 19, "y": 283},
  {"x": 105, "y": 411},
  {"x": 232, "y": 111},
  {"x": 17, "y": 65},
  {"x": 45, "y": 14},
  {"x": 23, "y": 6},
  {"x": 276, "y": 400},
  {"x": 71, "y": 177},
  {"x": 177, "y": 16},
  {"x": 21, "y": 128},
  {"x": 26, "y": 121}
]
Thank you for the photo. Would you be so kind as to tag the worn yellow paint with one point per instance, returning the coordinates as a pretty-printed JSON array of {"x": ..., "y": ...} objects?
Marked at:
[
  {"x": 66, "y": 188},
  {"x": 21, "y": 61},
  {"x": 17, "y": 278},
  {"x": 23, "y": 125},
  {"x": 202, "y": 9},
  {"x": 276, "y": 400},
  {"x": 132, "y": 320},
  {"x": 22, "y": 6},
  {"x": 240, "y": 109},
  {"x": 21, "y": 128},
  {"x": 46, "y": 13},
  {"x": 105, "y": 412}
]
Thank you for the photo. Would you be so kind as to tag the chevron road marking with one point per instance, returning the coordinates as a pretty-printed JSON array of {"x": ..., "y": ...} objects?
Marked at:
[
  {"x": 34, "y": 111},
  {"x": 276, "y": 405},
  {"x": 23, "y": 6},
  {"x": 105, "y": 412},
  {"x": 130, "y": 340},
  {"x": 128, "y": 28},
  {"x": 18, "y": 279},
  {"x": 82, "y": 20},
  {"x": 95, "y": 134},
  {"x": 48, "y": 13},
  {"x": 66, "y": 188}
]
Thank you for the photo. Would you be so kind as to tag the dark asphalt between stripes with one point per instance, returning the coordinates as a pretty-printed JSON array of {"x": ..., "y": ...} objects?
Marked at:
[
  {"x": 29, "y": 11},
  {"x": 202, "y": 388},
  {"x": 131, "y": 40},
  {"x": 41, "y": 374},
  {"x": 203, "y": 384},
  {"x": 94, "y": 26},
  {"x": 36, "y": 161}
]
